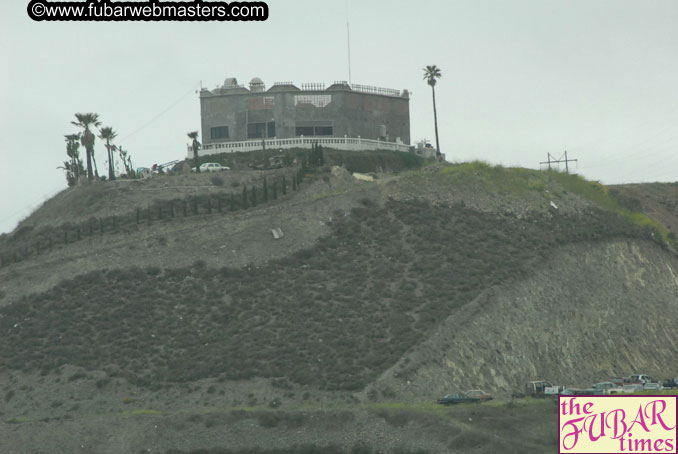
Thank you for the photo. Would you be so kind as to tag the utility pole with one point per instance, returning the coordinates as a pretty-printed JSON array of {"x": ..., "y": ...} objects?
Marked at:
[
  {"x": 562, "y": 158},
  {"x": 348, "y": 45}
]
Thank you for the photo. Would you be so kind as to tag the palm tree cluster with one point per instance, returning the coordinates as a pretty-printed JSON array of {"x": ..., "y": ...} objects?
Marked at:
[{"x": 86, "y": 137}]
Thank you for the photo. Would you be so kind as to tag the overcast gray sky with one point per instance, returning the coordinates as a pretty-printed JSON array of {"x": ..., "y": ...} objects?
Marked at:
[{"x": 520, "y": 79}]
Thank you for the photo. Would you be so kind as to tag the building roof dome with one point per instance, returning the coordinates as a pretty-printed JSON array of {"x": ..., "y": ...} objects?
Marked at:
[
  {"x": 230, "y": 82},
  {"x": 256, "y": 84}
]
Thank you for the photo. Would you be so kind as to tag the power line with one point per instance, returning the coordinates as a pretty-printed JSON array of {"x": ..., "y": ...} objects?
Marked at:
[
  {"x": 609, "y": 109},
  {"x": 148, "y": 123},
  {"x": 621, "y": 144},
  {"x": 29, "y": 208}
]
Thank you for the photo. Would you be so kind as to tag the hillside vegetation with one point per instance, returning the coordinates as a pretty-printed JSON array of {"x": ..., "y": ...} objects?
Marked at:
[
  {"x": 180, "y": 324},
  {"x": 377, "y": 285}
]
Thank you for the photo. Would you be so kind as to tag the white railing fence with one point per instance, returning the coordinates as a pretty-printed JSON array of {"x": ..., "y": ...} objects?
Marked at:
[{"x": 339, "y": 143}]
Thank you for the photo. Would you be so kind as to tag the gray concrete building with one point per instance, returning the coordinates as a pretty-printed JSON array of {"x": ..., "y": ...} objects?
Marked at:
[{"x": 234, "y": 113}]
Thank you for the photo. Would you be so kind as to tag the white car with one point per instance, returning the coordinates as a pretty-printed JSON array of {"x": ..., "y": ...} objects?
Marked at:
[
  {"x": 631, "y": 388},
  {"x": 603, "y": 388},
  {"x": 212, "y": 167},
  {"x": 653, "y": 386}
]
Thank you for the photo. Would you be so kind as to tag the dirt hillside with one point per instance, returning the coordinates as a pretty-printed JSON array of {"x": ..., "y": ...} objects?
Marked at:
[{"x": 164, "y": 316}]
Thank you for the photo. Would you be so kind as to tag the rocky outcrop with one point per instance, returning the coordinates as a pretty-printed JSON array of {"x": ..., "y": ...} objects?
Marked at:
[{"x": 590, "y": 313}]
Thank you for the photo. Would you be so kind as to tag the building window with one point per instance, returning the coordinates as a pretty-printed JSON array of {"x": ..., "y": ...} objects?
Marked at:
[
  {"x": 220, "y": 132},
  {"x": 323, "y": 130},
  {"x": 314, "y": 130},
  {"x": 312, "y": 100},
  {"x": 265, "y": 102},
  {"x": 304, "y": 130},
  {"x": 261, "y": 130}
]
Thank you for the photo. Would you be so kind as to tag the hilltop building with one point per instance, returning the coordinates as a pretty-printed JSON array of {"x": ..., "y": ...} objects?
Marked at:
[{"x": 344, "y": 116}]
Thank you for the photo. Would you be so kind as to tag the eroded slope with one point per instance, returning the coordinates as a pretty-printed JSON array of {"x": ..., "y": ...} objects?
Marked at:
[{"x": 590, "y": 313}]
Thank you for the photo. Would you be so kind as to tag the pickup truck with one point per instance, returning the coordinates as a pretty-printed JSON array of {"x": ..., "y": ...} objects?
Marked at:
[
  {"x": 639, "y": 378},
  {"x": 542, "y": 389}
]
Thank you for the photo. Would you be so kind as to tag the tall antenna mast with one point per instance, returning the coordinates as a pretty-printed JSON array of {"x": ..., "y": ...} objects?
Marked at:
[{"x": 348, "y": 42}]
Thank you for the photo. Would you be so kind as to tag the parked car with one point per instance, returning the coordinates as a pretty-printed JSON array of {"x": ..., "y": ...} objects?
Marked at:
[
  {"x": 603, "y": 387},
  {"x": 569, "y": 392},
  {"x": 639, "y": 378},
  {"x": 455, "y": 398},
  {"x": 475, "y": 395},
  {"x": 671, "y": 383},
  {"x": 479, "y": 394},
  {"x": 576, "y": 392},
  {"x": 631, "y": 388},
  {"x": 653, "y": 386},
  {"x": 211, "y": 167}
]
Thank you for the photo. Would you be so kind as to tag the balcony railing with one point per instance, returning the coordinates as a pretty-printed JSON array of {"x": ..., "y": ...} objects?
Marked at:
[{"x": 340, "y": 143}]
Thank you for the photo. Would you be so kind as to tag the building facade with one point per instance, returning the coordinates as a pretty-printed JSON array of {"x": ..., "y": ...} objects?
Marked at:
[{"x": 234, "y": 113}]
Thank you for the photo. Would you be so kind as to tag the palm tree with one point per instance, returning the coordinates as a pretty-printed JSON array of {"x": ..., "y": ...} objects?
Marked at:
[
  {"x": 106, "y": 133},
  {"x": 431, "y": 75},
  {"x": 73, "y": 167},
  {"x": 126, "y": 161},
  {"x": 73, "y": 152},
  {"x": 85, "y": 120},
  {"x": 196, "y": 146}
]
